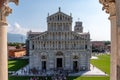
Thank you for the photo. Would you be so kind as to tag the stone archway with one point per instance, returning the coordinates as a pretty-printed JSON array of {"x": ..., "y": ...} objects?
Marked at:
[{"x": 111, "y": 6}]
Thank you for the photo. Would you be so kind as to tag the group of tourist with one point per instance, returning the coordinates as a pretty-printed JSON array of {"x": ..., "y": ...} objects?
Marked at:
[
  {"x": 55, "y": 74},
  {"x": 60, "y": 75},
  {"x": 37, "y": 78}
]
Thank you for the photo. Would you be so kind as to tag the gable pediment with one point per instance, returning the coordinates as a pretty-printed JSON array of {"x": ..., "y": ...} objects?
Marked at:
[
  {"x": 41, "y": 36},
  {"x": 59, "y": 16}
]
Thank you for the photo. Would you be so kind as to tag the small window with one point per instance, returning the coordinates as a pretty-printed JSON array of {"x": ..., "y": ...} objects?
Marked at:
[
  {"x": 44, "y": 45},
  {"x": 32, "y": 46},
  {"x": 85, "y": 46}
]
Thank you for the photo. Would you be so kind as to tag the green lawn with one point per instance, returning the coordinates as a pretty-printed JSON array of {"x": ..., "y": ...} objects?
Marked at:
[
  {"x": 22, "y": 78},
  {"x": 14, "y": 65},
  {"x": 69, "y": 78},
  {"x": 103, "y": 63},
  {"x": 89, "y": 78}
]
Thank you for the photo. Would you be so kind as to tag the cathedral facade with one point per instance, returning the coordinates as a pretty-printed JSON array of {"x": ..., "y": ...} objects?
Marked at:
[{"x": 59, "y": 47}]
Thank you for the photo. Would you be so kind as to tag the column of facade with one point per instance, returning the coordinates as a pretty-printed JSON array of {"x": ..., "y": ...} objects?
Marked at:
[
  {"x": 51, "y": 35},
  {"x": 63, "y": 45},
  {"x": 62, "y": 27},
  {"x": 55, "y": 44},
  {"x": 66, "y": 26},
  {"x": 71, "y": 45},
  {"x": 68, "y": 35},
  {"x": 30, "y": 44},
  {"x": 37, "y": 44},
  {"x": 3, "y": 52},
  {"x": 69, "y": 26},
  {"x": 55, "y": 26},
  {"x": 34, "y": 44},
  {"x": 46, "y": 45},
  {"x": 51, "y": 44},
  {"x": 78, "y": 45},
  {"x": 118, "y": 37},
  {"x": 61, "y": 35},
  {"x": 51, "y": 62},
  {"x": 49, "y": 27},
  {"x": 67, "y": 61},
  {"x": 57, "y": 36},
  {"x": 48, "y": 35},
  {"x": 40, "y": 44},
  {"x": 74, "y": 44}
]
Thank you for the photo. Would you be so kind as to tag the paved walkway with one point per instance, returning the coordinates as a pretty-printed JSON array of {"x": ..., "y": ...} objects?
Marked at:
[{"x": 93, "y": 72}]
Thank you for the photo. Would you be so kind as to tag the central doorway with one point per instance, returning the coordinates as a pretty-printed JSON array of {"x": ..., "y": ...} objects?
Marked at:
[
  {"x": 59, "y": 63},
  {"x": 43, "y": 65}
]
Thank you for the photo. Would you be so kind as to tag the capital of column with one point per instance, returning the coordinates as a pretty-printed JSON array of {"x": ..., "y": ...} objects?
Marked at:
[
  {"x": 3, "y": 23},
  {"x": 112, "y": 17},
  {"x": 5, "y": 10},
  {"x": 109, "y": 6}
]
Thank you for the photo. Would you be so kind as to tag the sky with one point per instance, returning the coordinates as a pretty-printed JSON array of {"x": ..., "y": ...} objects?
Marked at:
[{"x": 32, "y": 14}]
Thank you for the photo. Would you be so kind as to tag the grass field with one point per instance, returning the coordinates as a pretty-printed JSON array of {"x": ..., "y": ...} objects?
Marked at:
[
  {"x": 103, "y": 63},
  {"x": 22, "y": 78},
  {"x": 69, "y": 78},
  {"x": 89, "y": 78},
  {"x": 14, "y": 65}
]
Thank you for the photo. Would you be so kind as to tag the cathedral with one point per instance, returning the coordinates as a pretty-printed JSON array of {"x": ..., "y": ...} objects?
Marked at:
[{"x": 60, "y": 47}]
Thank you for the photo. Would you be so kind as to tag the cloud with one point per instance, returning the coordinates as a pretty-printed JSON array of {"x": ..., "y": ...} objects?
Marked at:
[{"x": 16, "y": 28}]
